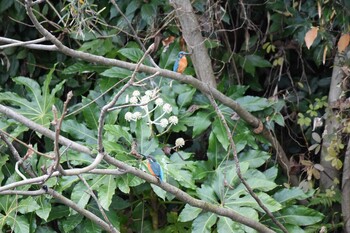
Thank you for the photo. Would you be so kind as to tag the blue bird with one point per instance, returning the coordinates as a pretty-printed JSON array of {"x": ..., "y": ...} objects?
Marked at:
[
  {"x": 154, "y": 168},
  {"x": 181, "y": 62}
]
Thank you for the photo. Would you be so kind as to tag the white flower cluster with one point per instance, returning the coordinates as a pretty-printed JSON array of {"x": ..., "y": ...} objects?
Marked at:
[{"x": 143, "y": 101}]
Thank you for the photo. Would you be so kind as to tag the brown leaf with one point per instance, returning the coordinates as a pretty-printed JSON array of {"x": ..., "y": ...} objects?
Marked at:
[
  {"x": 343, "y": 42},
  {"x": 310, "y": 36}
]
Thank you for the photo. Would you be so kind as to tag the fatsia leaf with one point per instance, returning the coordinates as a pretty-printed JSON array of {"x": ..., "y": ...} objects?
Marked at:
[
  {"x": 19, "y": 224},
  {"x": 207, "y": 193},
  {"x": 38, "y": 102},
  {"x": 189, "y": 213},
  {"x": 28, "y": 205},
  {"x": 45, "y": 208},
  {"x": 228, "y": 225},
  {"x": 204, "y": 222},
  {"x": 220, "y": 133},
  {"x": 200, "y": 123},
  {"x": 159, "y": 191},
  {"x": 79, "y": 131}
]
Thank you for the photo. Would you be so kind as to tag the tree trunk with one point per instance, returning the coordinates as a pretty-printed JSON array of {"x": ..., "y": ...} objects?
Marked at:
[
  {"x": 192, "y": 34},
  {"x": 345, "y": 202},
  {"x": 332, "y": 126}
]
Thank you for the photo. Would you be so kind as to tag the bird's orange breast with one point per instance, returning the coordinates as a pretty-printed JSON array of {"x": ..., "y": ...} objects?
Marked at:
[
  {"x": 150, "y": 168},
  {"x": 182, "y": 65}
]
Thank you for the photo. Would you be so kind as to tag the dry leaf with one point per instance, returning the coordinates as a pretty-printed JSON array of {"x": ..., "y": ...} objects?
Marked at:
[
  {"x": 167, "y": 41},
  {"x": 343, "y": 42},
  {"x": 310, "y": 36}
]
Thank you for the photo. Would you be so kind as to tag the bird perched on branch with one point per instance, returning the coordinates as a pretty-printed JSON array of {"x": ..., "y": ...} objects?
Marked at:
[
  {"x": 181, "y": 62},
  {"x": 154, "y": 168}
]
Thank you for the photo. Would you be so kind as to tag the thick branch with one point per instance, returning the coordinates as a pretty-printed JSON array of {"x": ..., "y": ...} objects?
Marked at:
[{"x": 181, "y": 195}]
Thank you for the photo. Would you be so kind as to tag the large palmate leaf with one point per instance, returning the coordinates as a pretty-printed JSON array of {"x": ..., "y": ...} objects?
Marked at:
[{"x": 37, "y": 102}]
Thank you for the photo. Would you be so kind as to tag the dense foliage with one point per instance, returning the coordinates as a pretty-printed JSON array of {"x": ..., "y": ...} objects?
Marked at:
[{"x": 260, "y": 60}]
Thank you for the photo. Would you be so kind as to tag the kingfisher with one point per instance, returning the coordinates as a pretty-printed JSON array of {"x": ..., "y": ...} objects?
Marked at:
[
  {"x": 181, "y": 62},
  {"x": 154, "y": 168}
]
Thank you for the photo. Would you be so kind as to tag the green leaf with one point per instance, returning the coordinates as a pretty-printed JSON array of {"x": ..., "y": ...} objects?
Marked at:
[
  {"x": 79, "y": 131},
  {"x": 38, "y": 102},
  {"x": 291, "y": 194},
  {"x": 89, "y": 226},
  {"x": 255, "y": 158},
  {"x": 185, "y": 97},
  {"x": 80, "y": 195},
  {"x": 60, "y": 212},
  {"x": 200, "y": 123},
  {"x": 106, "y": 191},
  {"x": 189, "y": 213},
  {"x": 71, "y": 222},
  {"x": 19, "y": 224},
  {"x": 207, "y": 193},
  {"x": 204, "y": 222},
  {"x": 81, "y": 68},
  {"x": 258, "y": 61},
  {"x": 28, "y": 205},
  {"x": 133, "y": 54},
  {"x": 45, "y": 208},
  {"x": 300, "y": 215},
  {"x": 220, "y": 133},
  {"x": 119, "y": 132},
  {"x": 3, "y": 159},
  {"x": 184, "y": 177},
  {"x": 253, "y": 103},
  {"x": 148, "y": 12},
  {"x": 228, "y": 225},
  {"x": 117, "y": 72},
  {"x": 159, "y": 191}
]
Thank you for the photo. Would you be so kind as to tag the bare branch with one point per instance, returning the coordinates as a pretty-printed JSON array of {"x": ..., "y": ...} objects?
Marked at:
[
  {"x": 24, "y": 193},
  {"x": 27, "y": 44}
]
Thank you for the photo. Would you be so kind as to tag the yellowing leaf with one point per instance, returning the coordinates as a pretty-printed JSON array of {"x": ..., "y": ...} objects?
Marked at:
[
  {"x": 343, "y": 42},
  {"x": 310, "y": 36}
]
